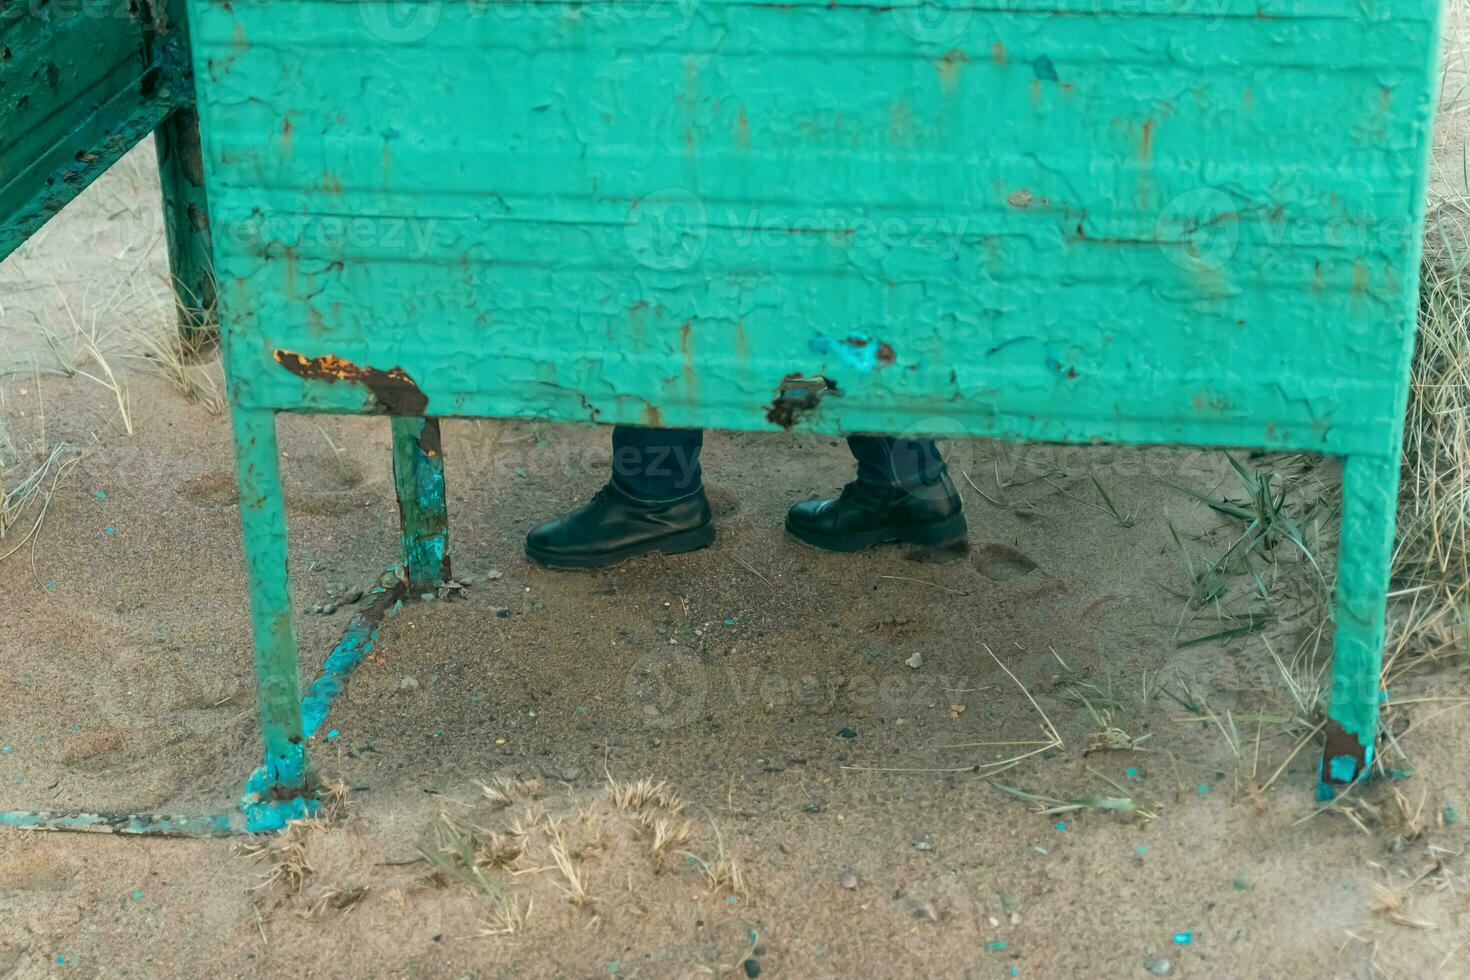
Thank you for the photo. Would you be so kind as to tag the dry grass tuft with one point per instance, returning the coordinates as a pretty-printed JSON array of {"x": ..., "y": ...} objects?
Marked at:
[
  {"x": 181, "y": 358},
  {"x": 287, "y": 856},
  {"x": 502, "y": 791},
  {"x": 573, "y": 883},
  {"x": 34, "y": 489},
  {"x": 644, "y": 794},
  {"x": 454, "y": 858},
  {"x": 1432, "y": 555}
]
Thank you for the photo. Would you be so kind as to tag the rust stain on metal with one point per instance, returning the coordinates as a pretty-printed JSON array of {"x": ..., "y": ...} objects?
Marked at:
[
  {"x": 797, "y": 395},
  {"x": 393, "y": 390},
  {"x": 883, "y": 353},
  {"x": 1338, "y": 742}
]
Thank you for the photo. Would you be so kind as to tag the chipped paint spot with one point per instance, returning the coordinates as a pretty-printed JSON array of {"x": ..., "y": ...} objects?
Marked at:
[{"x": 863, "y": 353}]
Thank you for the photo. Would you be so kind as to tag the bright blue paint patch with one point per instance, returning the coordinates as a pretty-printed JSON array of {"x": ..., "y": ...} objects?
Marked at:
[
  {"x": 862, "y": 353},
  {"x": 1131, "y": 773},
  {"x": 61, "y": 961},
  {"x": 1183, "y": 938},
  {"x": 332, "y": 734},
  {"x": 1342, "y": 768},
  {"x": 137, "y": 896},
  {"x": 110, "y": 529},
  {"x": 101, "y": 494},
  {"x": 263, "y": 817},
  {"x": 1202, "y": 788},
  {"x": 996, "y": 946},
  {"x": 1061, "y": 825},
  {"x": 357, "y": 640},
  {"x": 7, "y": 748},
  {"x": 51, "y": 586}
]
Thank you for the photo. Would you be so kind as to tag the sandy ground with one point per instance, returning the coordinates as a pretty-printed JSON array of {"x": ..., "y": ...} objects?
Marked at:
[{"x": 834, "y": 728}]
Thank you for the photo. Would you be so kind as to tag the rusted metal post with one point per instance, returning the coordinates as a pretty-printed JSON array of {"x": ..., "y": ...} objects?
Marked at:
[
  {"x": 181, "y": 175},
  {"x": 418, "y": 477}
]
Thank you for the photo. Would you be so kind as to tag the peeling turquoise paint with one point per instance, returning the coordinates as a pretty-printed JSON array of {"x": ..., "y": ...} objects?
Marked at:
[
  {"x": 204, "y": 825},
  {"x": 357, "y": 640}
]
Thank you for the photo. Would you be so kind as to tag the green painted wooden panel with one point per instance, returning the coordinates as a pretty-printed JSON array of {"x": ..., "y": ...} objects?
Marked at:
[
  {"x": 1170, "y": 220},
  {"x": 80, "y": 83}
]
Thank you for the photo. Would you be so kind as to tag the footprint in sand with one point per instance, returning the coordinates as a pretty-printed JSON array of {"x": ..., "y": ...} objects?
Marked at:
[{"x": 1002, "y": 563}]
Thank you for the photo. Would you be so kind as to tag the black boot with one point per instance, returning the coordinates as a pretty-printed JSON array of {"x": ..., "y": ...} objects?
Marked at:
[
  {"x": 874, "y": 513},
  {"x": 615, "y": 527}
]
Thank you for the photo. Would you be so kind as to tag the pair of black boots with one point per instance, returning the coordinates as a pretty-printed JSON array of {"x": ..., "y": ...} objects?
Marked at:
[{"x": 614, "y": 527}]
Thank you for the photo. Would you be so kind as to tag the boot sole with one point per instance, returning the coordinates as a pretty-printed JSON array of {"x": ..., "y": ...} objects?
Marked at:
[
  {"x": 674, "y": 544},
  {"x": 948, "y": 533}
]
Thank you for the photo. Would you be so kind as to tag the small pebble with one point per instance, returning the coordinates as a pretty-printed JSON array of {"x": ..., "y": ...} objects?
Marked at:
[
  {"x": 328, "y": 608},
  {"x": 923, "y": 845},
  {"x": 848, "y": 880},
  {"x": 846, "y": 733},
  {"x": 427, "y": 596},
  {"x": 1159, "y": 967},
  {"x": 916, "y": 661},
  {"x": 494, "y": 574},
  {"x": 354, "y": 596},
  {"x": 752, "y": 968},
  {"x": 408, "y": 684}
]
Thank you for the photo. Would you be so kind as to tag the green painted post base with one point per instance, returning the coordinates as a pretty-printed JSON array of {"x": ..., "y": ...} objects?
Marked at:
[
  {"x": 263, "y": 521},
  {"x": 418, "y": 477},
  {"x": 1369, "y": 504}
]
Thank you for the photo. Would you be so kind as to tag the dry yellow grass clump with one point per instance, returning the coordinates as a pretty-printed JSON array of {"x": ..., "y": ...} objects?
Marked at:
[{"x": 1432, "y": 556}]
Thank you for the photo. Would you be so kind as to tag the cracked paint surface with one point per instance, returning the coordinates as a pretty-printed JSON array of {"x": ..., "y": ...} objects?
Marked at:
[{"x": 1122, "y": 227}]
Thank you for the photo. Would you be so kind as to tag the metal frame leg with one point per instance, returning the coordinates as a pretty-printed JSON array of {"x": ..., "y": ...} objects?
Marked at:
[
  {"x": 263, "y": 522},
  {"x": 186, "y": 221},
  {"x": 418, "y": 478},
  {"x": 181, "y": 174},
  {"x": 1369, "y": 507}
]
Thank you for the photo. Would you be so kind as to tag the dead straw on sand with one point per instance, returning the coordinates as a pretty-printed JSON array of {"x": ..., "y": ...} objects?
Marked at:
[
  {"x": 1433, "y": 549},
  {"x": 39, "y": 485},
  {"x": 1053, "y": 740}
]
